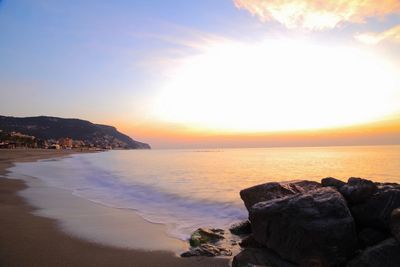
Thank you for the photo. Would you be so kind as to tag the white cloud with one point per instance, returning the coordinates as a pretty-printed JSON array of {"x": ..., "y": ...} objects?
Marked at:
[
  {"x": 317, "y": 14},
  {"x": 372, "y": 38}
]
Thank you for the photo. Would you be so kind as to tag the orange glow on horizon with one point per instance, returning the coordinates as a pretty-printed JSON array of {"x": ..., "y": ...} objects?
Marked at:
[{"x": 382, "y": 132}]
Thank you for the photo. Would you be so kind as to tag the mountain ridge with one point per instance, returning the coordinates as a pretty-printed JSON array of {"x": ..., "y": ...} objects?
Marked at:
[{"x": 48, "y": 127}]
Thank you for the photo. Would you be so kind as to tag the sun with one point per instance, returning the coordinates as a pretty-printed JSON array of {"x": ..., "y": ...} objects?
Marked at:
[{"x": 278, "y": 86}]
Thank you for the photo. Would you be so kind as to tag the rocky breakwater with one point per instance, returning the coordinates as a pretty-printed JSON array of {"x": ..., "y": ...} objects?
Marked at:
[{"x": 306, "y": 223}]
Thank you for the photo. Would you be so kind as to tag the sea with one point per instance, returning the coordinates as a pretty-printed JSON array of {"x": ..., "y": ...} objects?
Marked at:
[{"x": 191, "y": 188}]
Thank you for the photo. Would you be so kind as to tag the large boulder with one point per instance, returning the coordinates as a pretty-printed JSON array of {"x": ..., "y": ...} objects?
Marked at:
[
  {"x": 273, "y": 190},
  {"x": 332, "y": 182},
  {"x": 250, "y": 242},
  {"x": 375, "y": 211},
  {"x": 358, "y": 190},
  {"x": 385, "y": 254},
  {"x": 259, "y": 257},
  {"x": 395, "y": 224},
  {"x": 315, "y": 227},
  {"x": 241, "y": 228},
  {"x": 370, "y": 236}
]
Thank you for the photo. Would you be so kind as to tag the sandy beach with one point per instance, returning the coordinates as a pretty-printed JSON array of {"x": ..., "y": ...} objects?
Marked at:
[{"x": 30, "y": 240}]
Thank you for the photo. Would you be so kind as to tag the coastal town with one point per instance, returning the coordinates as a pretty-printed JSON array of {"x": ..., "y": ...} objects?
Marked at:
[
  {"x": 46, "y": 132},
  {"x": 13, "y": 140}
]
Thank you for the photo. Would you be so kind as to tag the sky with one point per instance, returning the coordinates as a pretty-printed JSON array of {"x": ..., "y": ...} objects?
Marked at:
[{"x": 210, "y": 73}]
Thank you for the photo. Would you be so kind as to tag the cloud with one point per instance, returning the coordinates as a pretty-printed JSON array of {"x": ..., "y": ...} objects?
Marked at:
[
  {"x": 373, "y": 38},
  {"x": 178, "y": 42},
  {"x": 317, "y": 14}
]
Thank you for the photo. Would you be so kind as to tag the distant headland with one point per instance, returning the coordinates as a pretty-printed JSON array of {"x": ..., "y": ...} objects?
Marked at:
[{"x": 55, "y": 133}]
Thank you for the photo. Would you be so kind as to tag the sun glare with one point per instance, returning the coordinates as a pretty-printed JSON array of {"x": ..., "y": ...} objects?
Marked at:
[{"x": 278, "y": 85}]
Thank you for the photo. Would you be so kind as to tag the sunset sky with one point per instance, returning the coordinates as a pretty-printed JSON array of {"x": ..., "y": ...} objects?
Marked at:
[{"x": 209, "y": 73}]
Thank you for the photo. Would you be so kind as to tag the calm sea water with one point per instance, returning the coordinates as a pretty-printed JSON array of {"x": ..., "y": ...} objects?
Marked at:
[{"x": 187, "y": 189}]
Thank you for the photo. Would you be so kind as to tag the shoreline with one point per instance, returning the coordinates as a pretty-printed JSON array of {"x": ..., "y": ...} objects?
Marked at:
[{"x": 30, "y": 240}]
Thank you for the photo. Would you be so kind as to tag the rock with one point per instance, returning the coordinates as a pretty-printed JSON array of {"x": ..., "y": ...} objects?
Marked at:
[
  {"x": 387, "y": 185},
  {"x": 332, "y": 182},
  {"x": 385, "y": 254},
  {"x": 217, "y": 231},
  {"x": 370, "y": 237},
  {"x": 241, "y": 228},
  {"x": 201, "y": 236},
  {"x": 259, "y": 257},
  {"x": 315, "y": 226},
  {"x": 358, "y": 190},
  {"x": 395, "y": 223},
  {"x": 250, "y": 242},
  {"x": 206, "y": 250},
  {"x": 234, "y": 242},
  {"x": 268, "y": 191},
  {"x": 375, "y": 211}
]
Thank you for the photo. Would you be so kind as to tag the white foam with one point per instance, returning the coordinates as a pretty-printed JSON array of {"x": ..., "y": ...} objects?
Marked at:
[{"x": 180, "y": 213}]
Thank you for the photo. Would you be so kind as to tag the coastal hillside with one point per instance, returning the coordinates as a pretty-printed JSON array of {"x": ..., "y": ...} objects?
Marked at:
[{"x": 53, "y": 128}]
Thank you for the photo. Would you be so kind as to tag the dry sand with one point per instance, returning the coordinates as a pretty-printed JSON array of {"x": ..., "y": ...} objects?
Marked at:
[{"x": 29, "y": 240}]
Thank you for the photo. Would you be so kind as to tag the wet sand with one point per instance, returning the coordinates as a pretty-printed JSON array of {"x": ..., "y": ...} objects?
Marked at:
[{"x": 30, "y": 240}]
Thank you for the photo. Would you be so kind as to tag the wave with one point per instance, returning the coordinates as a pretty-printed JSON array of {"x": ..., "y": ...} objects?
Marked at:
[{"x": 181, "y": 213}]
